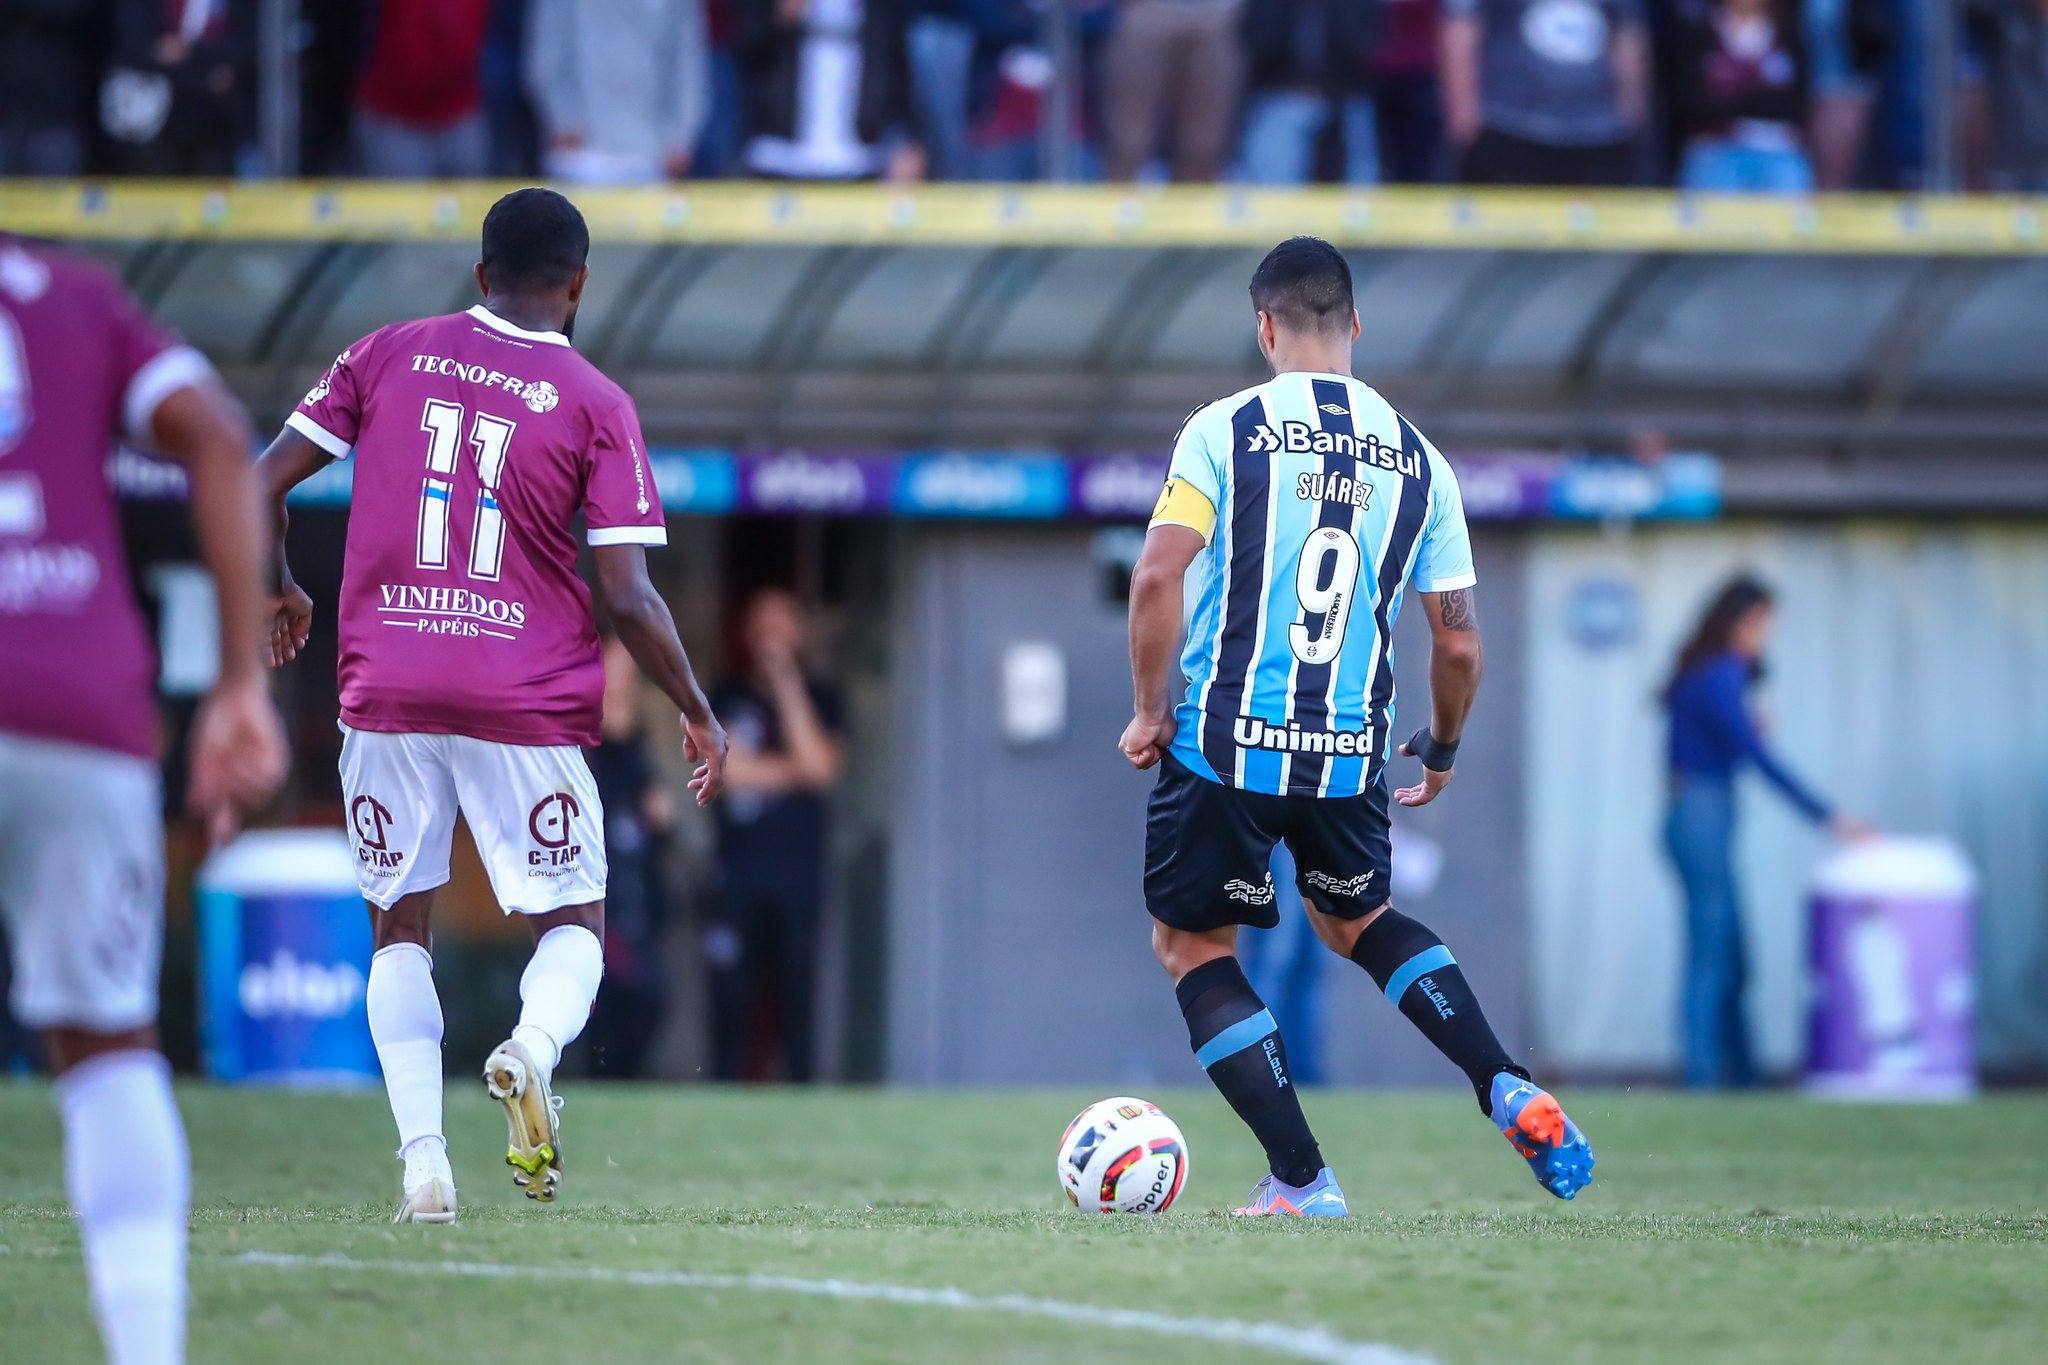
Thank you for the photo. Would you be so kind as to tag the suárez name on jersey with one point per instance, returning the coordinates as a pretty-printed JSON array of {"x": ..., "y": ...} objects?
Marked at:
[{"x": 1301, "y": 438}]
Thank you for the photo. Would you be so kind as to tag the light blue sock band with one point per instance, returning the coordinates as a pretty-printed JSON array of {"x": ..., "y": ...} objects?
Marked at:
[
  {"x": 1236, "y": 1038},
  {"x": 1417, "y": 967}
]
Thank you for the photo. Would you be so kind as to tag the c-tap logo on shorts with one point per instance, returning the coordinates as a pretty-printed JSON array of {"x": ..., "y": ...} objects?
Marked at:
[
  {"x": 369, "y": 820},
  {"x": 548, "y": 823}
]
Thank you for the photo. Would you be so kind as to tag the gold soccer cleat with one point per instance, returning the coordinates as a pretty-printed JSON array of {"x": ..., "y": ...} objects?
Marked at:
[
  {"x": 535, "y": 1155},
  {"x": 433, "y": 1202}
]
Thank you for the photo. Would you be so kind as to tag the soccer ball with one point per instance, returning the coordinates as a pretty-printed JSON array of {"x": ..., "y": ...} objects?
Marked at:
[{"x": 1122, "y": 1155}]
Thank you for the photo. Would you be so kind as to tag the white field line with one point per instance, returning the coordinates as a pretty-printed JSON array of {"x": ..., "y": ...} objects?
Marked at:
[{"x": 1302, "y": 1343}]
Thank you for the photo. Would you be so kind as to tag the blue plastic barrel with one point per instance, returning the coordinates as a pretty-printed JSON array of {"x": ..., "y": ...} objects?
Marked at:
[{"x": 284, "y": 960}]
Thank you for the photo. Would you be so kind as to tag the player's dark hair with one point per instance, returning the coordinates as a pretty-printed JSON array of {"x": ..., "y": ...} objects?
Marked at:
[
  {"x": 1304, "y": 284},
  {"x": 1739, "y": 597},
  {"x": 534, "y": 241}
]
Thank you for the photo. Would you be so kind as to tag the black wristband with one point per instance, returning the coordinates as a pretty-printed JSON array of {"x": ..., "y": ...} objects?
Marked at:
[{"x": 1436, "y": 755}]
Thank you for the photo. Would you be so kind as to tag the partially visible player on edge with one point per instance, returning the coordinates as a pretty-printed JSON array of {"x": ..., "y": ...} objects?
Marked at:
[
  {"x": 1304, "y": 506},
  {"x": 471, "y": 673},
  {"x": 81, "y": 806}
]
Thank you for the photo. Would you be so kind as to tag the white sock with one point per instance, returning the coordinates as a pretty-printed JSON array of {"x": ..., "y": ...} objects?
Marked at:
[
  {"x": 426, "y": 1159},
  {"x": 556, "y": 991},
  {"x": 129, "y": 1177},
  {"x": 405, "y": 1022}
]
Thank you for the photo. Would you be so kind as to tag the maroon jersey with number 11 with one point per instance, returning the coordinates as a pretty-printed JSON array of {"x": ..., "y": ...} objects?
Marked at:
[{"x": 476, "y": 444}]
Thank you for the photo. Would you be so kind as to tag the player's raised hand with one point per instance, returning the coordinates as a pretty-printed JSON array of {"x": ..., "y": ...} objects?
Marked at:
[
  {"x": 704, "y": 744},
  {"x": 1425, "y": 791},
  {"x": 291, "y": 621},
  {"x": 238, "y": 754},
  {"x": 1147, "y": 738}
]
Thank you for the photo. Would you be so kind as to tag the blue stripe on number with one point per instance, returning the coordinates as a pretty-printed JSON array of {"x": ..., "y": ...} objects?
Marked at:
[
  {"x": 1417, "y": 967},
  {"x": 1236, "y": 1038}
]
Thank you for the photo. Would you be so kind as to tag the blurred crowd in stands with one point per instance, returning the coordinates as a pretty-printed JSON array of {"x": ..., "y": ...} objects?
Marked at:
[{"x": 1757, "y": 95}]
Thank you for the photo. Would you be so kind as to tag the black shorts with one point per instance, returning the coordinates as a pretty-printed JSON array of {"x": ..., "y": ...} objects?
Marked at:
[{"x": 1208, "y": 850}]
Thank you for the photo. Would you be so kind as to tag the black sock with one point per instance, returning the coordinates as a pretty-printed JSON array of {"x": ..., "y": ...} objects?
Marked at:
[
  {"x": 1420, "y": 976},
  {"x": 1238, "y": 1044}
]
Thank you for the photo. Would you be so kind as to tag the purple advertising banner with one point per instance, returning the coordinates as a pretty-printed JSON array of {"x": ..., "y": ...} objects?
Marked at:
[
  {"x": 1119, "y": 487},
  {"x": 804, "y": 481}
]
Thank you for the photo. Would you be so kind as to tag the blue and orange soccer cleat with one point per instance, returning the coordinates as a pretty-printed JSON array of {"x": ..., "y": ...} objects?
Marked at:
[
  {"x": 1320, "y": 1198},
  {"x": 1535, "y": 1126}
]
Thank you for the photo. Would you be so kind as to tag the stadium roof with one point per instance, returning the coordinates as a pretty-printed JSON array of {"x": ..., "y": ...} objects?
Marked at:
[{"x": 1829, "y": 350}]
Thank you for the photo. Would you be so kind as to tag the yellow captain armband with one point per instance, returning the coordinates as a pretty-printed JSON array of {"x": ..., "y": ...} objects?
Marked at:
[{"x": 1182, "y": 504}]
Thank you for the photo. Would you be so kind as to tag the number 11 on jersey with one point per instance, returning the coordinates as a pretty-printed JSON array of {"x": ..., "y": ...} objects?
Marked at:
[{"x": 491, "y": 436}]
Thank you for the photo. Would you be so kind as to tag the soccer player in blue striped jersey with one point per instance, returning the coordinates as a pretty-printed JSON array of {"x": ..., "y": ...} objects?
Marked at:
[{"x": 1294, "y": 515}]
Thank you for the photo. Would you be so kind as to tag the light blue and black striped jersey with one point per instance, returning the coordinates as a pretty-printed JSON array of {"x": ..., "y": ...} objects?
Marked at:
[{"x": 1325, "y": 503}]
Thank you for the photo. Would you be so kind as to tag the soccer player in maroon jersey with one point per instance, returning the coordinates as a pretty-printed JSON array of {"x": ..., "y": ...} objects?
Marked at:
[
  {"x": 81, "y": 819},
  {"x": 471, "y": 674}
]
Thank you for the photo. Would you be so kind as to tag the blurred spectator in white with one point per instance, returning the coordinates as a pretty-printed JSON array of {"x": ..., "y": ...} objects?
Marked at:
[
  {"x": 1172, "y": 67},
  {"x": 623, "y": 87},
  {"x": 761, "y": 944},
  {"x": 45, "y": 80},
  {"x": 1545, "y": 92},
  {"x": 2014, "y": 35},
  {"x": 179, "y": 94},
  {"x": 829, "y": 89},
  {"x": 1407, "y": 99},
  {"x": 1742, "y": 100},
  {"x": 1308, "y": 75},
  {"x": 419, "y": 103}
]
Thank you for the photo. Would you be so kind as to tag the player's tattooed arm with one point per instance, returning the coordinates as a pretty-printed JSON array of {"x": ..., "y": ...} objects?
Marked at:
[{"x": 1456, "y": 611}]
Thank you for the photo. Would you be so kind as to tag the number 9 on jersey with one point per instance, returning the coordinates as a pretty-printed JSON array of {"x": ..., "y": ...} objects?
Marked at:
[{"x": 1326, "y": 579}]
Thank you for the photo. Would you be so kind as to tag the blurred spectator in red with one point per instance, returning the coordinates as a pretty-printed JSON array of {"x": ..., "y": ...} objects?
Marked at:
[
  {"x": 1407, "y": 100},
  {"x": 1742, "y": 100},
  {"x": 1545, "y": 92},
  {"x": 762, "y": 942},
  {"x": 1171, "y": 66},
  {"x": 2014, "y": 36},
  {"x": 1308, "y": 72},
  {"x": 179, "y": 94},
  {"x": 419, "y": 104},
  {"x": 829, "y": 89},
  {"x": 622, "y": 86},
  {"x": 45, "y": 84}
]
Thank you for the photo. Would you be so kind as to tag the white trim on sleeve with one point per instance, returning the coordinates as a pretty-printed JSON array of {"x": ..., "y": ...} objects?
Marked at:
[
  {"x": 629, "y": 535},
  {"x": 1463, "y": 580},
  {"x": 163, "y": 374},
  {"x": 318, "y": 435}
]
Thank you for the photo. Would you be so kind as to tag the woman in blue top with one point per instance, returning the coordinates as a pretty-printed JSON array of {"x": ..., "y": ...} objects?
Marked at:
[{"x": 1713, "y": 733}]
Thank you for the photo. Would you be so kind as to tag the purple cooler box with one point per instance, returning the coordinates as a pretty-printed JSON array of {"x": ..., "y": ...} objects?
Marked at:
[{"x": 1893, "y": 958}]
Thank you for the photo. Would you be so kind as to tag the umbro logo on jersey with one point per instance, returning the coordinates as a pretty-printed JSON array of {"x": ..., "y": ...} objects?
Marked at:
[
  {"x": 1336, "y": 409},
  {"x": 1240, "y": 890}
]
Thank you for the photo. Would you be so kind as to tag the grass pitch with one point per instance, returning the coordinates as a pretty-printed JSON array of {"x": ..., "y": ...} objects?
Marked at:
[{"x": 1753, "y": 1229}]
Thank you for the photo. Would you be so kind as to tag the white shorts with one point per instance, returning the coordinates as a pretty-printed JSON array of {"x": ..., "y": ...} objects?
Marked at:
[
  {"x": 532, "y": 809},
  {"x": 81, "y": 883}
]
